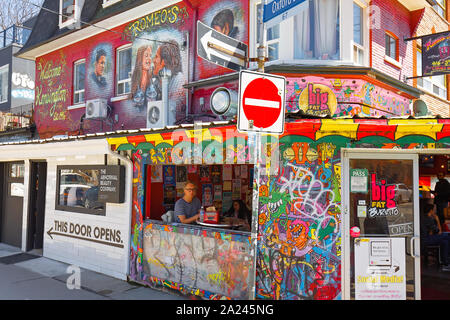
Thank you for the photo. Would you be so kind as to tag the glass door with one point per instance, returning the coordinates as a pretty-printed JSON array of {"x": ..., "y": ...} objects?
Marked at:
[{"x": 381, "y": 231}]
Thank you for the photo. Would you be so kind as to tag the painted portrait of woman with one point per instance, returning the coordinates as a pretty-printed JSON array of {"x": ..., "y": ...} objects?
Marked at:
[{"x": 142, "y": 88}]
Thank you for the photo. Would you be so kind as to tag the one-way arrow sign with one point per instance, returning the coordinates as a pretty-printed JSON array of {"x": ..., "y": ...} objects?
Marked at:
[{"x": 220, "y": 49}]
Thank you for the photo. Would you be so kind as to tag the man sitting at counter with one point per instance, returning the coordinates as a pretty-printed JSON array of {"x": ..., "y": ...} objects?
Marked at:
[{"x": 187, "y": 208}]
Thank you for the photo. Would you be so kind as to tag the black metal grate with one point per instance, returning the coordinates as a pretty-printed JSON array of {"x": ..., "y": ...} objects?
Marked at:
[{"x": 16, "y": 258}]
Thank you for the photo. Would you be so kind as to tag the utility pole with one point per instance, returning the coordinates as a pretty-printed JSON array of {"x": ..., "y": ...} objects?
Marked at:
[
  {"x": 261, "y": 51},
  {"x": 261, "y": 59}
]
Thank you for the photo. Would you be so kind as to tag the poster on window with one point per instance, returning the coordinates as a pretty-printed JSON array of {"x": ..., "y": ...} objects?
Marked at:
[
  {"x": 207, "y": 194},
  {"x": 181, "y": 174},
  {"x": 216, "y": 174},
  {"x": 157, "y": 175},
  {"x": 436, "y": 54},
  {"x": 169, "y": 195},
  {"x": 380, "y": 269},
  {"x": 169, "y": 175},
  {"x": 205, "y": 173},
  {"x": 227, "y": 172},
  {"x": 217, "y": 192},
  {"x": 236, "y": 189}
]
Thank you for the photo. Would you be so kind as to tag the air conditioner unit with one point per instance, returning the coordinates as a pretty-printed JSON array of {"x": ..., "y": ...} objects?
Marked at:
[
  {"x": 96, "y": 109},
  {"x": 155, "y": 114}
]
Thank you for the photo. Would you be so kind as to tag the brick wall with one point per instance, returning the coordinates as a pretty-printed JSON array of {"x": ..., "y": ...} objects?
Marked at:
[{"x": 394, "y": 19}]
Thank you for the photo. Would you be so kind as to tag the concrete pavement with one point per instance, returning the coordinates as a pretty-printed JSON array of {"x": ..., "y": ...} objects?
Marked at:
[{"x": 32, "y": 277}]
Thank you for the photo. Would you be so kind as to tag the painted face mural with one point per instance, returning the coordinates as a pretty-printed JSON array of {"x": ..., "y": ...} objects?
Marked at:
[
  {"x": 227, "y": 17},
  {"x": 100, "y": 77},
  {"x": 163, "y": 55}
]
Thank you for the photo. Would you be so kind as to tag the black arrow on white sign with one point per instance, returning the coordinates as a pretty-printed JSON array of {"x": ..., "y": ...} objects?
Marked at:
[
  {"x": 220, "y": 49},
  {"x": 51, "y": 232}
]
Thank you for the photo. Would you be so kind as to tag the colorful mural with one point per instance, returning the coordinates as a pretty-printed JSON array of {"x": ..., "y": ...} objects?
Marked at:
[
  {"x": 209, "y": 261},
  {"x": 354, "y": 97},
  {"x": 53, "y": 93},
  {"x": 299, "y": 217},
  {"x": 159, "y": 43}
]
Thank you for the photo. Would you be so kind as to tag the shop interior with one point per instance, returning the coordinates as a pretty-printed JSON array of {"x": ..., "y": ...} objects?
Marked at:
[
  {"x": 435, "y": 282},
  {"x": 218, "y": 187}
]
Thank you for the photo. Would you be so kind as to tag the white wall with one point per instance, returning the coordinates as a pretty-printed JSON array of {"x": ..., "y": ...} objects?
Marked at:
[
  {"x": 103, "y": 258},
  {"x": 86, "y": 254}
]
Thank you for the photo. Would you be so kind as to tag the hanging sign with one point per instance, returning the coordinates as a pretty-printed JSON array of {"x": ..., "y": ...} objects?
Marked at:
[
  {"x": 380, "y": 269},
  {"x": 436, "y": 54}
]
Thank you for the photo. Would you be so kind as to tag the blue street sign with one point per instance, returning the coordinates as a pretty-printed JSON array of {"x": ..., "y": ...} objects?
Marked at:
[{"x": 279, "y": 10}]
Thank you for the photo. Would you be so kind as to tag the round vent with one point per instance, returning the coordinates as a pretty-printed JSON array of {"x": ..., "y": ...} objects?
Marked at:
[
  {"x": 153, "y": 115},
  {"x": 90, "y": 109},
  {"x": 420, "y": 108}
]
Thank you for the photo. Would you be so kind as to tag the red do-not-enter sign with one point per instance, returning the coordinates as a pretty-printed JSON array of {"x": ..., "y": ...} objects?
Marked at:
[{"x": 261, "y": 102}]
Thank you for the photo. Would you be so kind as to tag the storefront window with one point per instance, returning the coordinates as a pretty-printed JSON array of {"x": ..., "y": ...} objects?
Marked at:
[
  {"x": 316, "y": 31},
  {"x": 217, "y": 186},
  {"x": 78, "y": 190}
]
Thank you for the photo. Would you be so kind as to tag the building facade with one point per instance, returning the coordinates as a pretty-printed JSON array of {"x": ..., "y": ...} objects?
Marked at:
[{"x": 127, "y": 74}]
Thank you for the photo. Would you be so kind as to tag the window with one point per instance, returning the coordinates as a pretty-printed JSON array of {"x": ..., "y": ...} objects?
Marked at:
[
  {"x": 358, "y": 34},
  {"x": 123, "y": 70},
  {"x": 78, "y": 82},
  {"x": 434, "y": 84},
  {"x": 15, "y": 183},
  {"x": 440, "y": 7},
  {"x": 4, "y": 72},
  {"x": 107, "y": 3},
  {"x": 272, "y": 39},
  {"x": 78, "y": 190},
  {"x": 67, "y": 11},
  {"x": 391, "y": 46},
  {"x": 316, "y": 31}
]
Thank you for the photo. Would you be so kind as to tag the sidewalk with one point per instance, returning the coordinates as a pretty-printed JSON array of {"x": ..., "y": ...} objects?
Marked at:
[{"x": 25, "y": 276}]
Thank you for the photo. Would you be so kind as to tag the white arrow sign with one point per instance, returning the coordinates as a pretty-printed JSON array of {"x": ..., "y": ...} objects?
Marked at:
[{"x": 220, "y": 49}]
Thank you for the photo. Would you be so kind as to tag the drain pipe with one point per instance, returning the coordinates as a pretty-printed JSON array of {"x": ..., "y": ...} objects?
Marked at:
[{"x": 128, "y": 197}]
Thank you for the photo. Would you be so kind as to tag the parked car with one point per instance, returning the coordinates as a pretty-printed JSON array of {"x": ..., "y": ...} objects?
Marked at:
[
  {"x": 403, "y": 193},
  {"x": 72, "y": 190},
  {"x": 91, "y": 199}
]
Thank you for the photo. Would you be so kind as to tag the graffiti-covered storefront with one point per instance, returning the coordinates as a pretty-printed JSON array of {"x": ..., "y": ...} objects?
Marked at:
[
  {"x": 302, "y": 232},
  {"x": 212, "y": 260}
]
